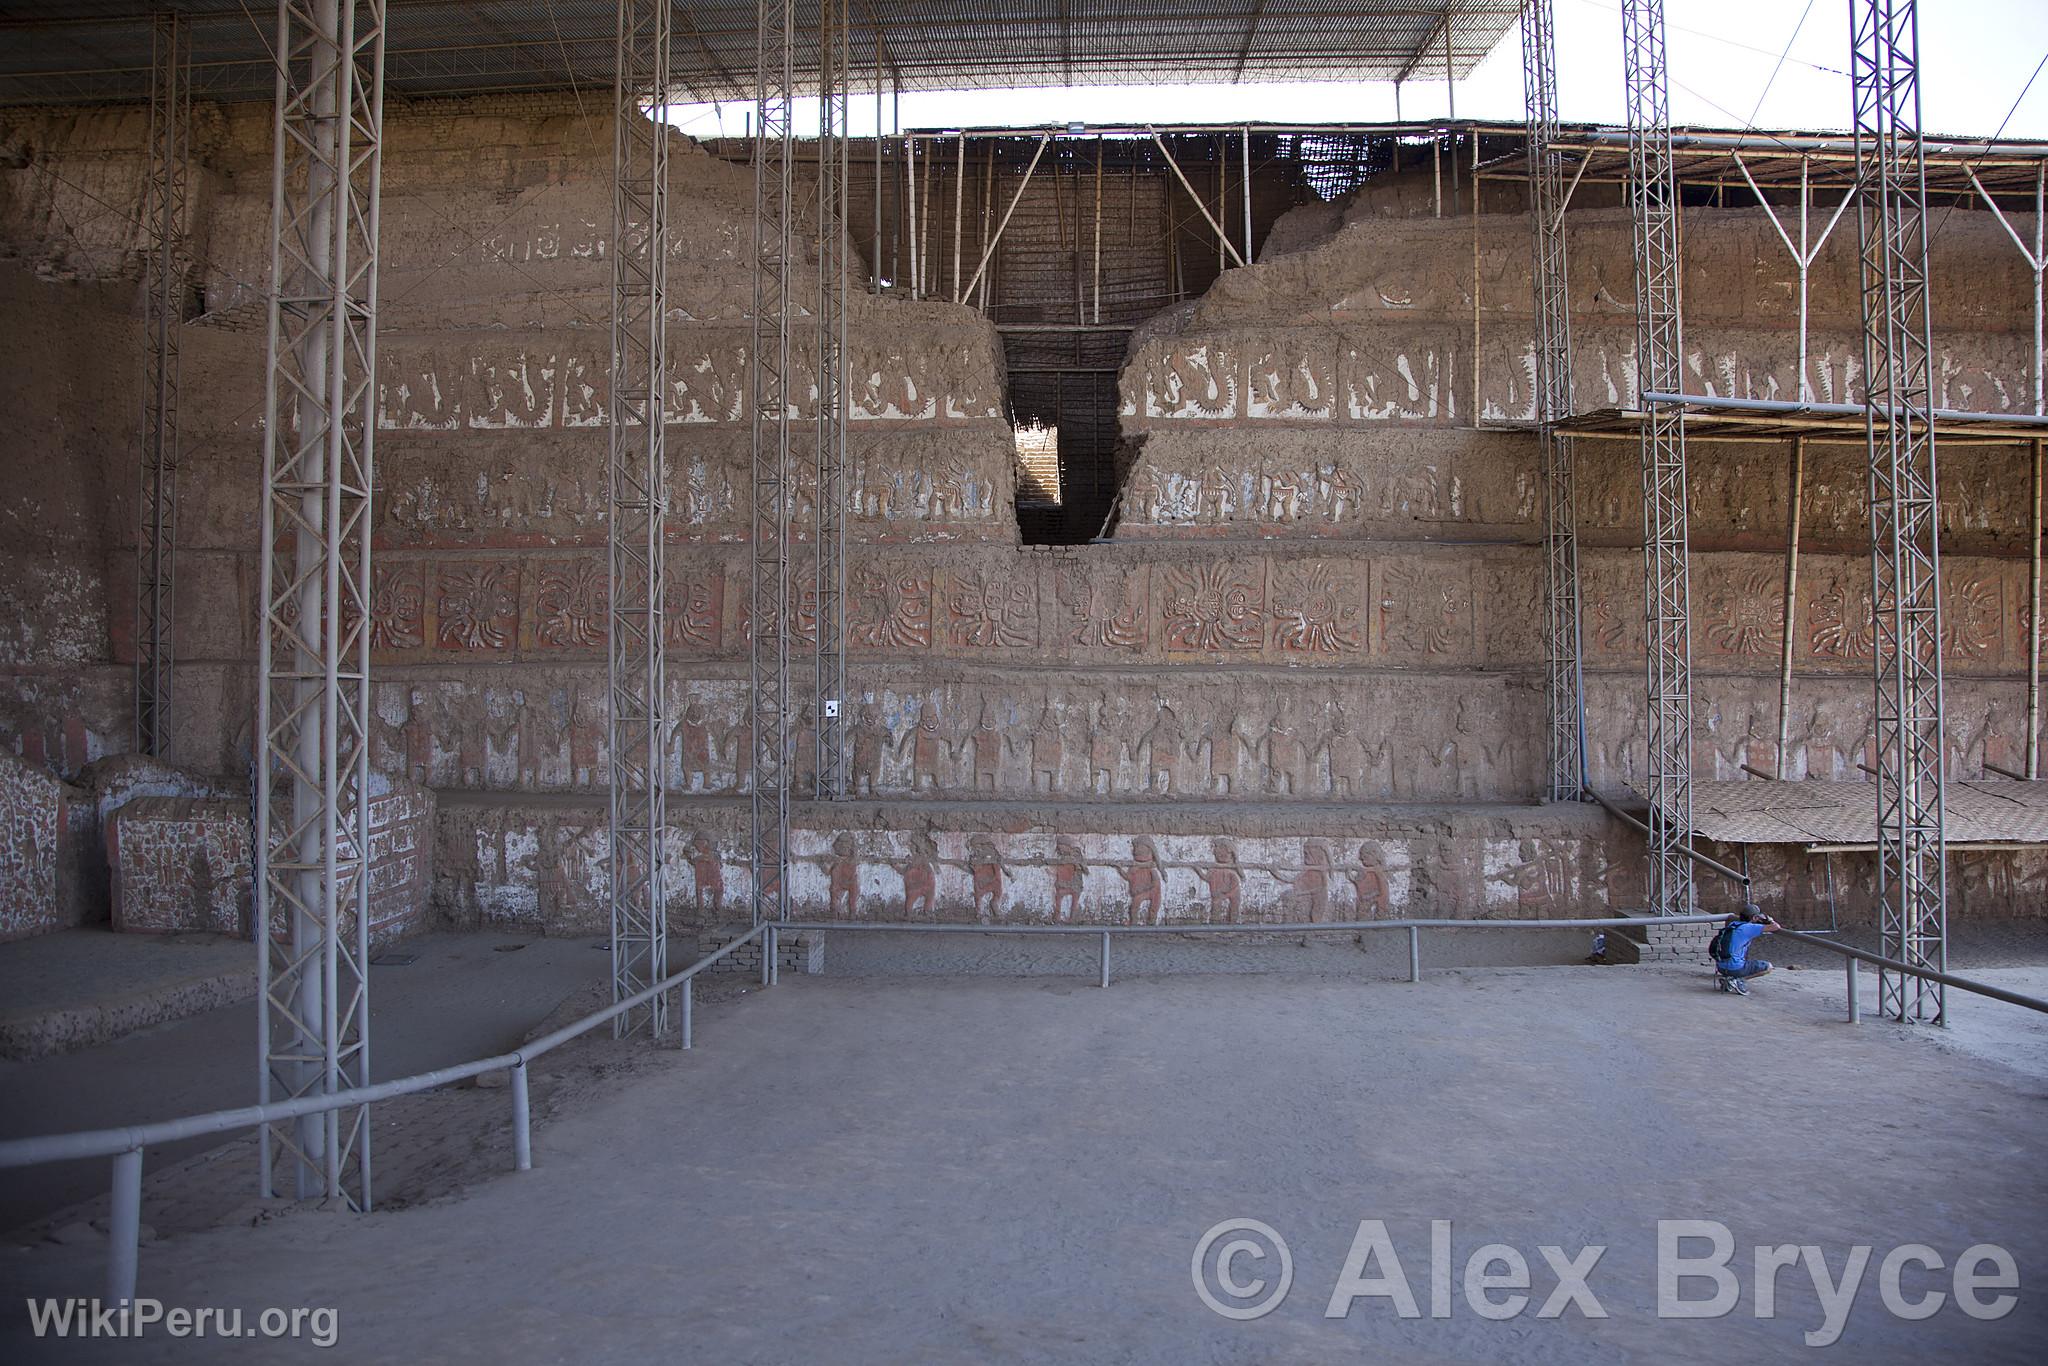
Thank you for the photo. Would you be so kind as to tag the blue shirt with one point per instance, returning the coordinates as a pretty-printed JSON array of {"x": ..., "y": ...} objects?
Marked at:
[{"x": 1740, "y": 936}]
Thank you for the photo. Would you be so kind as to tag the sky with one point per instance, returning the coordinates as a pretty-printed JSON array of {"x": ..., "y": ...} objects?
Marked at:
[{"x": 1976, "y": 57}]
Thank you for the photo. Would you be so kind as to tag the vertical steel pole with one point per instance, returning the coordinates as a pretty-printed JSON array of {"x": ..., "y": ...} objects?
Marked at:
[
  {"x": 1805, "y": 260},
  {"x": 1551, "y": 280},
  {"x": 910, "y": 210},
  {"x": 164, "y": 203},
  {"x": 1098, "y": 229},
  {"x": 875, "y": 265},
  {"x": 124, "y": 1228},
  {"x": 959, "y": 206},
  {"x": 1855, "y": 1000},
  {"x": 1791, "y": 602},
  {"x": 1220, "y": 173},
  {"x": 829, "y": 582},
  {"x": 1105, "y": 960},
  {"x": 774, "y": 392},
  {"x": 1653, "y": 200},
  {"x": 1891, "y": 212},
  {"x": 1247, "y": 133},
  {"x": 1451, "y": 110},
  {"x": 1414, "y": 954},
  {"x": 522, "y": 1121},
  {"x": 689, "y": 1009},
  {"x": 2034, "y": 624},
  {"x": 311, "y": 917},
  {"x": 637, "y": 514}
]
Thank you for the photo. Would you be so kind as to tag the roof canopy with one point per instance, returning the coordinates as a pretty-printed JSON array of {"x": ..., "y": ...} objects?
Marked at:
[{"x": 92, "y": 51}]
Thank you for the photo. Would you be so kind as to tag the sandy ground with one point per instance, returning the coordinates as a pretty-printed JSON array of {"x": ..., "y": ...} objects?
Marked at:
[
  {"x": 918, "y": 1169},
  {"x": 460, "y": 998}
]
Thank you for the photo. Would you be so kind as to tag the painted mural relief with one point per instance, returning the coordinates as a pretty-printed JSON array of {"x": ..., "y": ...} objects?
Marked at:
[{"x": 1300, "y": 683}]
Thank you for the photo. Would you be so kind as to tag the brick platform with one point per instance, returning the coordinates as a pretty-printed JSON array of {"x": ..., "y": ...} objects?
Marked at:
[
  {"x": 1686, "y": 943},
  {"x": 803, "y": 953}
]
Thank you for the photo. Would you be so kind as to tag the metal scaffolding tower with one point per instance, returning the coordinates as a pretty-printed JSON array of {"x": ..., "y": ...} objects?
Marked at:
[
  {"x": 772, "y": 392},
  {"x": 163, "y": 218},
  {"x": 1905, "y": 539},
  {"x": 1550, "y": 279},
  {"x": 830, "y": 535},
  {"x": 1653, "y": 200},
  {"x": 312, "y": 727},
  {"x": 636, "y": 508}
]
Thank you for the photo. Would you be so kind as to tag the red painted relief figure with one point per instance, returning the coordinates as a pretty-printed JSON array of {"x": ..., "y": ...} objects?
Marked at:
[
  {"x": 1146, "y": 882},
  {"x": 986, "y": 868},
  {"x": 988, "y": 744},
  {"x": 1346, "y": 756},
  {"x": 1310, "y": 892},
  {"x": 697, "y": 748},
  {"x": 1068, "y": 873},
  {"x": 709, "y": 871},
  {"x": 842, "y": 898},
  {"x": 927, "y": 748},
  {"x": 1213, "y": 502},
  {"x": 869, "y": 738},
  {"x": 1165, "y": 747},
  {"x": 920, "y": 877},
  {"x": 1225, "y": 881},
  {"x": 1286, "y": 756},
  {"x": 1105, "y": 746},
  {"x": 1369, "y": 880},
  {"x": 1046, "y": 747},
  {"x": 1542, "y": 880}
]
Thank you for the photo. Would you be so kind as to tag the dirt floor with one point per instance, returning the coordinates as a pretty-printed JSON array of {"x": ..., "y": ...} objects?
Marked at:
[
  {"x": 462, "y": 996},
  {"x": 899, "y": 1169}
]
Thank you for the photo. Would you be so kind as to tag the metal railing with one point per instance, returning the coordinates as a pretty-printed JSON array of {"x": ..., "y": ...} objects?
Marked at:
[{"x": 125, "y": 1145}]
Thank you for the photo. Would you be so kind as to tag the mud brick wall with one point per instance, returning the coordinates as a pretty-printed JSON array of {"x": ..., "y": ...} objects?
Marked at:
[{"x": 1311, "y": 648}]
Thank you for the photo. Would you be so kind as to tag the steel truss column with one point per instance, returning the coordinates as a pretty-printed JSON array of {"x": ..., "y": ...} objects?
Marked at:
[
  {"x": 312, "y": 727},
  {"x": 830, "y": 538},
  {"x": 772, "y": 392},
  {"x": 1653, "y": 199},
  {"x": 169, "y": 265},
  {"x": 1905, "y": 553},
  {"x": 637, "y": 508},
  {"x": 1550, "y": 279}
]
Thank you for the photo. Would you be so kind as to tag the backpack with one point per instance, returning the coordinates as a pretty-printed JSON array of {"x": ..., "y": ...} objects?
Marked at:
[{"x": 1717, "y": 948}]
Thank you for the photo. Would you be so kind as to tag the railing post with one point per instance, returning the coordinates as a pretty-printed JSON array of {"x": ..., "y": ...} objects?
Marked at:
[
  {"x": 1855, "y": 1004},
  {"x": 768, "y": 957},
  {"x": 1105, "y": 958},
  {"x": 1414, "y": 953},
  {"x": 689, "y": 999},
  {"x": 124, "y": 1228},
  {"x": 522, "y": 1121}
]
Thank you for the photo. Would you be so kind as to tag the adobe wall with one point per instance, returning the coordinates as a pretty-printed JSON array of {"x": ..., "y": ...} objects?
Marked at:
[{"x": 1303, "y": 680}]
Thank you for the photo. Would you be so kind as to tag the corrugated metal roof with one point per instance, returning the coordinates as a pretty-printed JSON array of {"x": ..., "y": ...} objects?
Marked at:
[
  {"x": 88, "y": 51},
  {"x": 1980, "y": 811}
]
